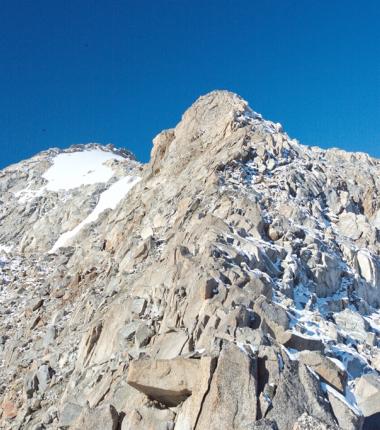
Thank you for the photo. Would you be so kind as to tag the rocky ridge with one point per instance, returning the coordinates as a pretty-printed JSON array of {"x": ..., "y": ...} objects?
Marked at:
[{"x": 232, "y": 282}]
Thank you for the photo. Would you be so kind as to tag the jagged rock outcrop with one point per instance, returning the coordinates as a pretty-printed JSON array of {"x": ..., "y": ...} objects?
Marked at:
[{"x": 232, "y": 282}]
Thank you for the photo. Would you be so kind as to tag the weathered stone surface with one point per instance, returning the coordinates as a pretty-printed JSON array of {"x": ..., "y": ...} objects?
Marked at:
[
  {"x": 352, "y": 225},
  {"x": 170, "y": 345},
  {"x": 347, "y": 418},
  {"x": 99, "y": 391},
  {"x": 327, "y": 276},
  {"x": 352, "y": 324},
  {"x": 128, "y": 332},
  {"x": 138, "y": 306},
  {"x": 367, "y": 393},
  {"x": 369, "y": 267},
  {"x": 188, "y": 415},
  {"x": 149, "y": 417},
  {"x": 232, "y": 393},
  {"x": 43, "y": 374},
  {"x": 169, "y": 381},
  {"x": 69, "y": 413},
  {"x": 9, "y": 410},
  {"x": 308, "y": 422},
  {"x": 258, "y": 286},
  {"x": 298, "y": 392},
  {"x": 329, "y": 370},
  {"x": 105, "y": 418},
  {"x": 300, "y": 342},
  {"x": 143, "y": 335},
  {"x": 49, "y": 335},
  {"x": 263, "y": 424},
  {"x": 31, "y": 384},
  {"x": 375, "y": 361},
  {"x": 273, "y": 317},
  {"x": 36, "y": 304}
]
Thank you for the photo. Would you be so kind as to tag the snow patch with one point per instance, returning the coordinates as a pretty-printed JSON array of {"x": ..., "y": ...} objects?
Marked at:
[
  {"x": 5, "y": 249},
  {"x": 27, "y": 194},
  {"x": 109, "y": 199},
  {"x": 374, "y": 321},
  {"x": 73, "y": 169},
  {"x": 292, "y": 353}
]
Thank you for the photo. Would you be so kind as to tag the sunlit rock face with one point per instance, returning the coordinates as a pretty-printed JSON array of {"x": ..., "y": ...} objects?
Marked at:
[
  {"x": 54, "y": 191},
  {"x": 232, "y": 282}
]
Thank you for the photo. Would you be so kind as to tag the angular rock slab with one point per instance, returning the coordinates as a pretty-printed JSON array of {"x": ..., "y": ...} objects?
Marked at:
[
  {"x": 299, "y": 392},
  {"x": 347, "y": 418},
  {"x": 231, "y": 402},
  {"x": 170, "y": 382},
  {"x": 367, "y": 393},
  {"x": 326, "y": 368}
]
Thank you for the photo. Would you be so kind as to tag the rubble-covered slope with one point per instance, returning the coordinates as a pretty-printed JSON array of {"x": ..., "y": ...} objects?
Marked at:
[{"x": 233, "y": 283}]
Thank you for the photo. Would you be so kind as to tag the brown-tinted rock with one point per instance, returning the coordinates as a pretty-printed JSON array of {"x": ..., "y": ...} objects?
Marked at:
[
  {"x": 232, "y": 394},
  {"x": 169, "y": 381},
  {"x": 326, "y": 368}
]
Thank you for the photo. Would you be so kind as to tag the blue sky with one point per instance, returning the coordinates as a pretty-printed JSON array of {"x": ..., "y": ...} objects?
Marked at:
[{"x": 120, "y": 71}]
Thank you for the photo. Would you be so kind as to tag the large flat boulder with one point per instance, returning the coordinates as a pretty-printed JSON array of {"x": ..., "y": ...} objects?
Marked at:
[
  {"x": 299, "y": 341},
  {"x": 169, "y": 381}
]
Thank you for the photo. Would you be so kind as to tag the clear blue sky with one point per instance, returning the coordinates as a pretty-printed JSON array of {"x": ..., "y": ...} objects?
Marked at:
[{"x": 121, "y": 71}]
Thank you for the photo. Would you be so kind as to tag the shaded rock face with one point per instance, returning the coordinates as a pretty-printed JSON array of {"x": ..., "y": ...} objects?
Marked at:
[{"x": 232, "y": 282}]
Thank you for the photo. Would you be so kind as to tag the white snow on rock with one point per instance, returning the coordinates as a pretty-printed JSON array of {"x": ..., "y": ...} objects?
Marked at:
[
  {"x": 5, "y": 249},
  {"x": 109, "y": 199},
  {"x": 348, "y": 399},
  {"x": 27, "y": 194},
  {"x": 73, "y": 169}
]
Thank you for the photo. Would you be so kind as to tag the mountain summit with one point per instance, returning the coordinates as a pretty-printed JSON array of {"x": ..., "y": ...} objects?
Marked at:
[{"x": 233, "y": 282}]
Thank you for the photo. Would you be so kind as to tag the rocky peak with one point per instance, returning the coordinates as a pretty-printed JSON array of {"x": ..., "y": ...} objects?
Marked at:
[
  {"x": 211, "y": 115},
  {"x": 215, "y": 128},
  {"x": 232, "y": 282}
]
